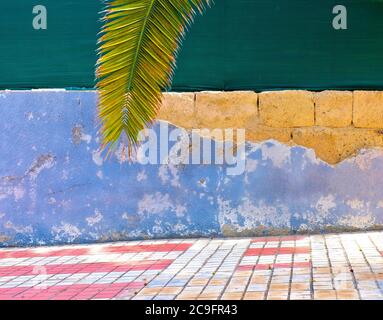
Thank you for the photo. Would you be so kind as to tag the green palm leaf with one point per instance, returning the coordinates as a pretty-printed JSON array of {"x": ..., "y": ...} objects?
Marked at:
[{"x": 137, "y": 49}]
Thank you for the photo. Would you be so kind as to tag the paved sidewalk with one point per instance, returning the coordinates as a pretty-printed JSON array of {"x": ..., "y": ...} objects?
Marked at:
[{"x": 346, "y": 266}]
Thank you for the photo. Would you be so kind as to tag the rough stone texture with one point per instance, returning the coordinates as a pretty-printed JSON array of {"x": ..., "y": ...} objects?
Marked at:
[
  {"x": 226, "y": 109},
  {"x": 368, "y": 109},
  {"x": 335, "y": 145},
  {"x": 333, "y": 141},
  {"x": 178, "y": 108},
  {"x": 256, "y": 132},
  {"x": 333, "y": 108},
  {"x": 290, "y": 108}
]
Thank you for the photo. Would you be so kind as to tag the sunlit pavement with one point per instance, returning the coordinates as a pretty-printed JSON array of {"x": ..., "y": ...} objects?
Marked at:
[{"x": 345, "y": 266}]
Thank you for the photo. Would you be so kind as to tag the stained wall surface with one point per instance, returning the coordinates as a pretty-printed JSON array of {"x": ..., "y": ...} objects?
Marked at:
[{"x": 55, "y": 186}]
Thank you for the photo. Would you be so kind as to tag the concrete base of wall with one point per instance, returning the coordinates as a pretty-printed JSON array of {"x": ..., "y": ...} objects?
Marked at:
[{"x": 55, "y": 187}]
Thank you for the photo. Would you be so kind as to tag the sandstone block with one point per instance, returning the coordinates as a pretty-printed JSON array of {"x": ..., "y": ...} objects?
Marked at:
[
  {"x": 368, "y": 109},
  {"x": 335, "y": 145},
  {"x": 333, "y": 108},
  {"x": 290, "y": 108},
  {"x": 226, "y": 109},
  {"x": 178, "y": 108},
  {"x": 256, "y": 132}
]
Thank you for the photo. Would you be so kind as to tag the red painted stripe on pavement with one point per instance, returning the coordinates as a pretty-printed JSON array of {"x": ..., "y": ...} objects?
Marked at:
[
  {"x": 84, "y": 268},
  {"x": 245, "y": 267},
  {"x": 274, "y": 251},
  {"x": 75, "y": 291},
  {"x": 32, "y": 253},
  {"x": 150, "y": 248}
]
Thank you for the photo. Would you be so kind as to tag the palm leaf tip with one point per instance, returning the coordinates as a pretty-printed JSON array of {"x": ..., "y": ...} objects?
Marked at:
[{"x": 138, "y": 44}]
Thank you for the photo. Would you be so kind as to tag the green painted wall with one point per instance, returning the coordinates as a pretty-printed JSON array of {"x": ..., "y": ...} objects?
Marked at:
[{"x": 238, "y": 44}]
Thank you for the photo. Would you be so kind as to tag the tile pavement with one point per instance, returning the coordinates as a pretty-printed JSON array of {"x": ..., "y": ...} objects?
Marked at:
[{"x": 343, "y": 266}]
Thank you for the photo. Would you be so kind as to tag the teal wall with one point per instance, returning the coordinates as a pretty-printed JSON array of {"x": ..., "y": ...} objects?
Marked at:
[{"x": 238, "y": 44}]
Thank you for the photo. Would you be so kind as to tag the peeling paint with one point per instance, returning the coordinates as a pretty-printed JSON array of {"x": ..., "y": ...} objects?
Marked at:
[
  {"x": 78, "y": 135},
  {"x": 324, "y": 206},
  {"x": 122, "y": 153},
  {"x": 18, "y": 192},
  {"x": 18, "y": 229},
  {"x": 141, "y": 176},
  {"x": 63, "y": 191},
  {"x": 45, "y": 161},
  {"x": 157, "y": 203},
  {"x": 356, "y": 204},
  {"x": 251, "y": 165},
  {"x": 66, "y": 231},
  {"x": 364, "y": 162},
  {"x": 100, "y": 174},
  {"x": 279, "y": 154},
  {"x": 249, "y": 215},
  {"x": 97, "y": 158},
  {"x": 169, "y": 173},
  {"x": 358, "y": 221},
  {"x": 95, "y": 219}
]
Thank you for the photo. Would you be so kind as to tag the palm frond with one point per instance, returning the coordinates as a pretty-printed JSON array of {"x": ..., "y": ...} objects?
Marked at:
[{"x": 138, "y": 44}]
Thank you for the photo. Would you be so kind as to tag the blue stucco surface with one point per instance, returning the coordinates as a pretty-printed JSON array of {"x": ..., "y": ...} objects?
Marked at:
[{"x": 56, "y": 188}]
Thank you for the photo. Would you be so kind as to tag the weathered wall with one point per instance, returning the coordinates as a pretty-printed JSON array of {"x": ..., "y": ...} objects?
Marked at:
[
  {"x": 56, "y": 188},
  {"x": 336, "y": 124}
]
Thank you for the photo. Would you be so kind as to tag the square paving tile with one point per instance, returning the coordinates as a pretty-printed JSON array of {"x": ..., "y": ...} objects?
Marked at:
[{"x": 341, "y": 266}]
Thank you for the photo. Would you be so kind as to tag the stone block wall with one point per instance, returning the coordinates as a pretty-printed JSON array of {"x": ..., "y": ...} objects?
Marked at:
[{"x": 336, "y": 124}]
